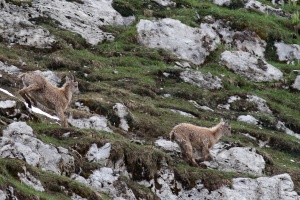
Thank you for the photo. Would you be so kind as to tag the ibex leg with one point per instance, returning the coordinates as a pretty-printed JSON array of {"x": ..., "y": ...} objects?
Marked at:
[
  {"x": 25, "y": 93},
  {"x": 187, "y": 153}
]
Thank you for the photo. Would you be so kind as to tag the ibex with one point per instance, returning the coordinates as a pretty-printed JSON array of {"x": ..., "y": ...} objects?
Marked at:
[
  {"x": 38, "y": 89},
  {"x": 195, "y": 139}
]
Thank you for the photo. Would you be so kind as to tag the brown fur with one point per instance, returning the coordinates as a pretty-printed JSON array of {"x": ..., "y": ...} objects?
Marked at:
[
  {"x": 38, "y": 89},
  {"x": 198, "y": 140}
]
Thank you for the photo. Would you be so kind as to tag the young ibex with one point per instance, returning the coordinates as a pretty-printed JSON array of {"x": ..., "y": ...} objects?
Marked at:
[
  {"x": 38, "y": 89},
  {"x": 195, "y": 139}
]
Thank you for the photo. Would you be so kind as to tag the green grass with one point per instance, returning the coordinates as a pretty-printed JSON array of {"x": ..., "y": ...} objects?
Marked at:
[{"x": 124, "y": 71}]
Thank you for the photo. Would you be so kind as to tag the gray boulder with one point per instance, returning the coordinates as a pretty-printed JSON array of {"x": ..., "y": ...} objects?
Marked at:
[
  {"x": 236, "y": 159},
  {"x": 222, "y": 2},
  {"x": 16, "y": 29},
  {"x": 276, "y": 187},
  {"x": 123, "y": 113},
  {"x": 193, "y": 44},
  {"x": 206, "y": 81},
  {"x": 82, "y": 18},
  {"x": 249, "y": 119},
  {"x": 10, "y": 69},
  {"x": 30, "y": 180},
  {"x": 50, "y": 76},
  {"x": 249, "y": 66},
  {"x": 165, "y": 2},
  {"x": 296, "y": 84},
  {"x": 18, "y": 141},
  {"x": 287, "y": 52},
  {"x": 256, "y": 5},
  {"x": 96, "y": 122}
]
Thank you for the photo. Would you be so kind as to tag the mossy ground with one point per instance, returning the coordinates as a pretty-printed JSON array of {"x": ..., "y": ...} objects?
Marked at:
[{"x": 125, "y": 72}]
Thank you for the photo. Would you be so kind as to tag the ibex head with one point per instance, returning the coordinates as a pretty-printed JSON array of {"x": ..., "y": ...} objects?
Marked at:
[
  {"x": 73, "y": 84},
  {"x": 225, "y": 127}
]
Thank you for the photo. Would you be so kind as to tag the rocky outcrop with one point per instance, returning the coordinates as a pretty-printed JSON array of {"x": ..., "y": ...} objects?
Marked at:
[
  {"x": 206, "y": 81},
  {"x": 168, "y": 146},
  {"x": 222, "y": 2},
  {"x": 18, "y": 141},
  {"x": 250, "y": 67},
  {"x": 166, "y": 2},
  {"x": 281, "y": 126},
  {"x": 280, "y": 186},
  {"x": 16, "y": 29},
  {"x": 287, "y": 52},
  {"x": 50, "y": 76},
  {"x": 193, "y": 44},
  {"x": 10, "y": 69},
  {"x": 30, "y": 180},
  {"x": 249, "y": 119},
  {"x": 256, "y": 5},
  {"x": 259, "y": 103},
  {"x": 96, "y": 122},
  {"x": 236, "y": 159},
  {"x": 241, "y": 40},
  {"x": 82, "y": 18},
  {"x": 99, "y": 155},
  {"x": 123, "y": 113},
  {"x": 276, "y": 187},
  {"x": 296, "y": 84}
]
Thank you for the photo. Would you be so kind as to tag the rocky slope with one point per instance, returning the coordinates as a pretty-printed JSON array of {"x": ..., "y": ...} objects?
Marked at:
[{"x": 143, "y": 67}]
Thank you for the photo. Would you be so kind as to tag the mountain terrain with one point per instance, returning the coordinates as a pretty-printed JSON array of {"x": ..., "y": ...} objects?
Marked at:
[{"x": 144, "y": 67}]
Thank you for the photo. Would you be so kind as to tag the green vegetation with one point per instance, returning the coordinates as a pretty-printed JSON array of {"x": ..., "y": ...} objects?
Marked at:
[{"x": 124, "y": 71}]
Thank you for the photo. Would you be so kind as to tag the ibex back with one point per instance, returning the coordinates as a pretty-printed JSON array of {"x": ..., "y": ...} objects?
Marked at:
[{"x": 38, "y": 89}]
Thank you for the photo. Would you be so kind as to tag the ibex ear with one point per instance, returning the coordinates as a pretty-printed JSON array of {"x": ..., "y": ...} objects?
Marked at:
[
  {"x": 222, "y": 120},
  {"x": 227, "y": 122},
  {"x": 67, "y": 79}
]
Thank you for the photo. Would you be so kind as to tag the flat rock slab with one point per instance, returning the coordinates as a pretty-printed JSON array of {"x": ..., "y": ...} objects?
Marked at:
[
  {"x": 188, "y": 43},
  {"x": 19, "y": 141},
  {"x": 250, "y": 67},
  {"x": 236, "y": 159},
  {"x": 287, "y": 52},
  {"x": 201, "y": 80}
]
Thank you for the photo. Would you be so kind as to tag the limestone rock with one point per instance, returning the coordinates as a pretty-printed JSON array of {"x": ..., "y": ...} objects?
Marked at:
[
  {"x": 18, "y": 141},
  {"x": 100, "y": 155},
  {"x": 167, "y": 146},
  {"x": 77, "y": 197},
  {"x": 281, "y": 126},
  {"x": 287, "y": 52},
  {"x": 249, "y": 119},
  {"x": 183, "y": 113},
  {"x": 50, "y": 76},
  {"x": 193, "y": 44},
  {"x": 250, "y": 67},
  {"x": 261, "y": 104},
  {"x": 103, "y": 180},
  {"x": 256, "y": 5},
  {"x": 206, "y": 81},
  {"x": 9, "y": 69},
  {"x": 222, "y": 2},
  {"x": 30, "y": 180},
  {"x": 165, "y": 2},
  {"x": 296, "y": 84},
  {"x": 96, "y": 122},
  {"x": 16, "y": 29},
  {"x": 236, "y": 159},
  {"x": 275, "y": 187},
  {"x": 82, "y": 18},
  {"x": 123, "y": 113}
]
